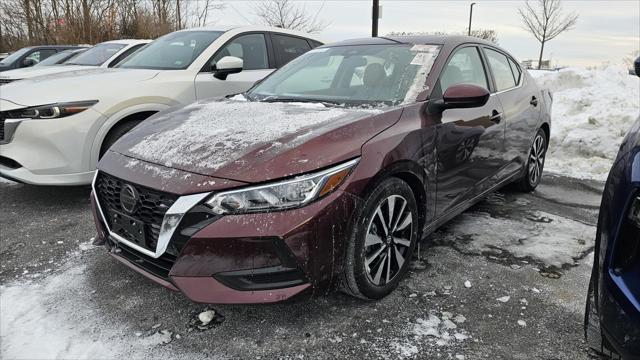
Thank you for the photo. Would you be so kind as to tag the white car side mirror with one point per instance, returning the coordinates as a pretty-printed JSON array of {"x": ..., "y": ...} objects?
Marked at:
[{"x": 227, "y": 65}]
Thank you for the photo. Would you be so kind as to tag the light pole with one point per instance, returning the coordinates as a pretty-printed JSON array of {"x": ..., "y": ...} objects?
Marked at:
[
  {"x": 375, "y": 14},
  {"x": 470, "y": 16}
]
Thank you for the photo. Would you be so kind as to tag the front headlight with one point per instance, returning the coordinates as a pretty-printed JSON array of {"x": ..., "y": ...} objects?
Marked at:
[
  {"x": 52, "y": 111},
  {"x": 281, "y": 195}
]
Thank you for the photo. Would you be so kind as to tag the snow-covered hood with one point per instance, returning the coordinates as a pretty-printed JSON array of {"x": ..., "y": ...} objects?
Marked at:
[
  {"x": 252, "y": 141},
  {"x": 31, "y": 72},
  {"x": 78, "y": 85}
]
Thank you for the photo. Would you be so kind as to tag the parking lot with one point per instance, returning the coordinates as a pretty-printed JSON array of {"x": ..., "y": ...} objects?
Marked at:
[{"x": 505, "y": 280}]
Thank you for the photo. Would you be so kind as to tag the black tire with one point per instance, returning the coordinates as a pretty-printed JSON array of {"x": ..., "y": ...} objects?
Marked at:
[
  {"x": 534, "y": 165},
  {"x": 592, "y": 331},
  {"x": 367, "y": 240},
  {"x": 116, "y": 133}
]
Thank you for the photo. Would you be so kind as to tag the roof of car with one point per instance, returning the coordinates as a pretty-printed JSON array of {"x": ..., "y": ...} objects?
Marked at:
[
  {"x": 127, "y": 41},
  {"x": 247, "y": 28},
  {"x": 55, "y": 46},
  {"x": 412, "y": 39}
]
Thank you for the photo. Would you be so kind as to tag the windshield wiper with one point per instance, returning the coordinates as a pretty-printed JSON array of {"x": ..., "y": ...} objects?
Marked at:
[{"x": 271, "y": 99}]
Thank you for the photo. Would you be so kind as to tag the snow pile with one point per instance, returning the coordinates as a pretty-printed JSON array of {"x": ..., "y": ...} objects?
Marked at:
[
  {"x": 592, "y": 112},
  {"x": 217, "y": 133},
  {"x": 546, "y": 238},
  {"x": 441, "y": 331}
]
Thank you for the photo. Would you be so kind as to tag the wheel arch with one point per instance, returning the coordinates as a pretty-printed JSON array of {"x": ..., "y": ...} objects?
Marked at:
[
  {"x": 547, "y": 131},
  {"x": 132, "y": 113},
  {"x": 413, "y": 175}
]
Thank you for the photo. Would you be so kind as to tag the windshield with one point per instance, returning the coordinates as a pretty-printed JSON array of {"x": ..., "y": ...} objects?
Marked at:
[
  {"x": 175, "y": 51},
  {"x": 97, "y": 55},
  {"x": 352, "y": 75},
  {"x": 13, "y": 57},
  {"x": 58, "y": 58}
]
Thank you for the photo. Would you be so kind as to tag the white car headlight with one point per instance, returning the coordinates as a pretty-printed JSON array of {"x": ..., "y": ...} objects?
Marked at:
[
  {"x": 52, "y": 111},
  {"x": 281, "y": 195}
]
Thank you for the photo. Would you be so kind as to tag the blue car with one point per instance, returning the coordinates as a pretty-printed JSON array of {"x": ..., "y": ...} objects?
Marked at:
[{"x": 612, "y": 316}]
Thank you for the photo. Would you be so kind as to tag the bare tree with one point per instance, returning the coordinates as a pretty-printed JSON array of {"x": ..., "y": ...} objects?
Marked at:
[
  {"x": 486, "y": 34},
  {"x": 545, "y": 20},
  {"x": 285, "y": 14}
]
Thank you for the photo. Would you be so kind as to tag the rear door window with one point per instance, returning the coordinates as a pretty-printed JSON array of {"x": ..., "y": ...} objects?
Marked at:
[
  {"x": 502, "y": 73},
  {"x": 288, "y": 48}
]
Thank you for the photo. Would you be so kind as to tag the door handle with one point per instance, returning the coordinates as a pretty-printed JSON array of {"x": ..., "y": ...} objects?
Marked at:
[
  {"x": 496, "y": 117},
  {"x": 533, "y": 101}
]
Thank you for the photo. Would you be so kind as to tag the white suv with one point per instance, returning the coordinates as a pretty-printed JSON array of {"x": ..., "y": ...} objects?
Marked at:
[
  {"x": 106, "y": 54},
  {"x": 53, "y": 129}
]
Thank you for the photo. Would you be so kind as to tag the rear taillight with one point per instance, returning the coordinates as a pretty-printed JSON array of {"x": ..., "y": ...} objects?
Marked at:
[{"x": 627, "y": 247}]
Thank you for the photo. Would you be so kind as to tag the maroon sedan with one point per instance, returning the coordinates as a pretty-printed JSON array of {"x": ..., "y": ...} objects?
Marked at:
[{"x": 326, "y": 174}]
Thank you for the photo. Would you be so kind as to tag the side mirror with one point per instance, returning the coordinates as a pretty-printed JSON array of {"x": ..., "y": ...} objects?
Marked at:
[
  {"x": 227, "y": 65},
  {"x": 463, "y": 96},
  {"x": 28, "y": 62},
  {"x": 636, "y": 66}
]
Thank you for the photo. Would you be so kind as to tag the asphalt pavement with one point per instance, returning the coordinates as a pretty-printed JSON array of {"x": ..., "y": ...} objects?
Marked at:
[{"x": 505, "y": 280}]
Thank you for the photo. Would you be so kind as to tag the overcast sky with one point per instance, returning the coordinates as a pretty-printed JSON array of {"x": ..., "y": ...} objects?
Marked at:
[{"x": 606, "y": 31}]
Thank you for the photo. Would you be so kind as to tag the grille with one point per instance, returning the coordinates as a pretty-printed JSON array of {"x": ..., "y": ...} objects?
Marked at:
[
  {"x": 152, "y": 205},
  {"x": 1, "y": 128}
]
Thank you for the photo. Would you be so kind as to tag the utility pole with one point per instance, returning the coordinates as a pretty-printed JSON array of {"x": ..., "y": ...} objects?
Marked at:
[
  {"x": 375, "y": 14},
  {"x": 470, "y": 16}
]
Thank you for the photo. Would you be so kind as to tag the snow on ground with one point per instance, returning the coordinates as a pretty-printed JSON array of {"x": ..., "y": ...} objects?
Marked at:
[
  {"x": 53, "y": 317},
  {"x": 39, "y": 321},
  {"x": 7, "y": 181},
  {"x": 547, "y": 239},
  {"x": 435, "y": 330},
  {"x": 592, "y": 111}
]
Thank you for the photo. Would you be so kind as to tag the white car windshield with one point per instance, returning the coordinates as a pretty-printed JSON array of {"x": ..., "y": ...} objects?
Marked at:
[
  {"x": 175, "y": 51},
  {"x": 14, "y": 56},
  {"x": 97, "y": 55},
  {"x": 352, "y": 75}
]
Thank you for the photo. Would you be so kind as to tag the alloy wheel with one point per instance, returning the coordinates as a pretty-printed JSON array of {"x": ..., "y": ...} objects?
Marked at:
[
  {"x": 464, "y": 150},
  {"x": 388, "y": 240},
  {"x": 536, "y": 159}
]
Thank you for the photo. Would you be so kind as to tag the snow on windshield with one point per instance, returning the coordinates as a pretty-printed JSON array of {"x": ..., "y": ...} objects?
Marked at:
[
  {"x": 217, "y": 133},
  {"x": 426, "y": 55}
]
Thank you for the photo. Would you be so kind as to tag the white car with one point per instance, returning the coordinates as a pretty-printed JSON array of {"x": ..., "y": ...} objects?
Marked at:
[
  {"x": 53, "y": 129},
  {"x": 107, "y": 54}
]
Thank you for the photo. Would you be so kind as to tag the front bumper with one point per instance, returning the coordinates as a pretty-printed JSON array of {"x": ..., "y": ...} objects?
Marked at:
[
  {"x": 50, "y": 152},
  {"x": 252, "y": 258}
]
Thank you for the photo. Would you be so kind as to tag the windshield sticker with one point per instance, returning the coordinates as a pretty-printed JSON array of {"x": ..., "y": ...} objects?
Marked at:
[{"x": 422, "y": 48}]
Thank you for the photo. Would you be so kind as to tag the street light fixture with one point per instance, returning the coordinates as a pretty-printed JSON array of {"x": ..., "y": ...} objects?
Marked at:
[{"x": 470, "y": 16}]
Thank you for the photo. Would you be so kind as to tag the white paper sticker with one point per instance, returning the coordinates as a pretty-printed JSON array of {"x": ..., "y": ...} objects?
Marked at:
[{"x": 422, "y": 48}]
